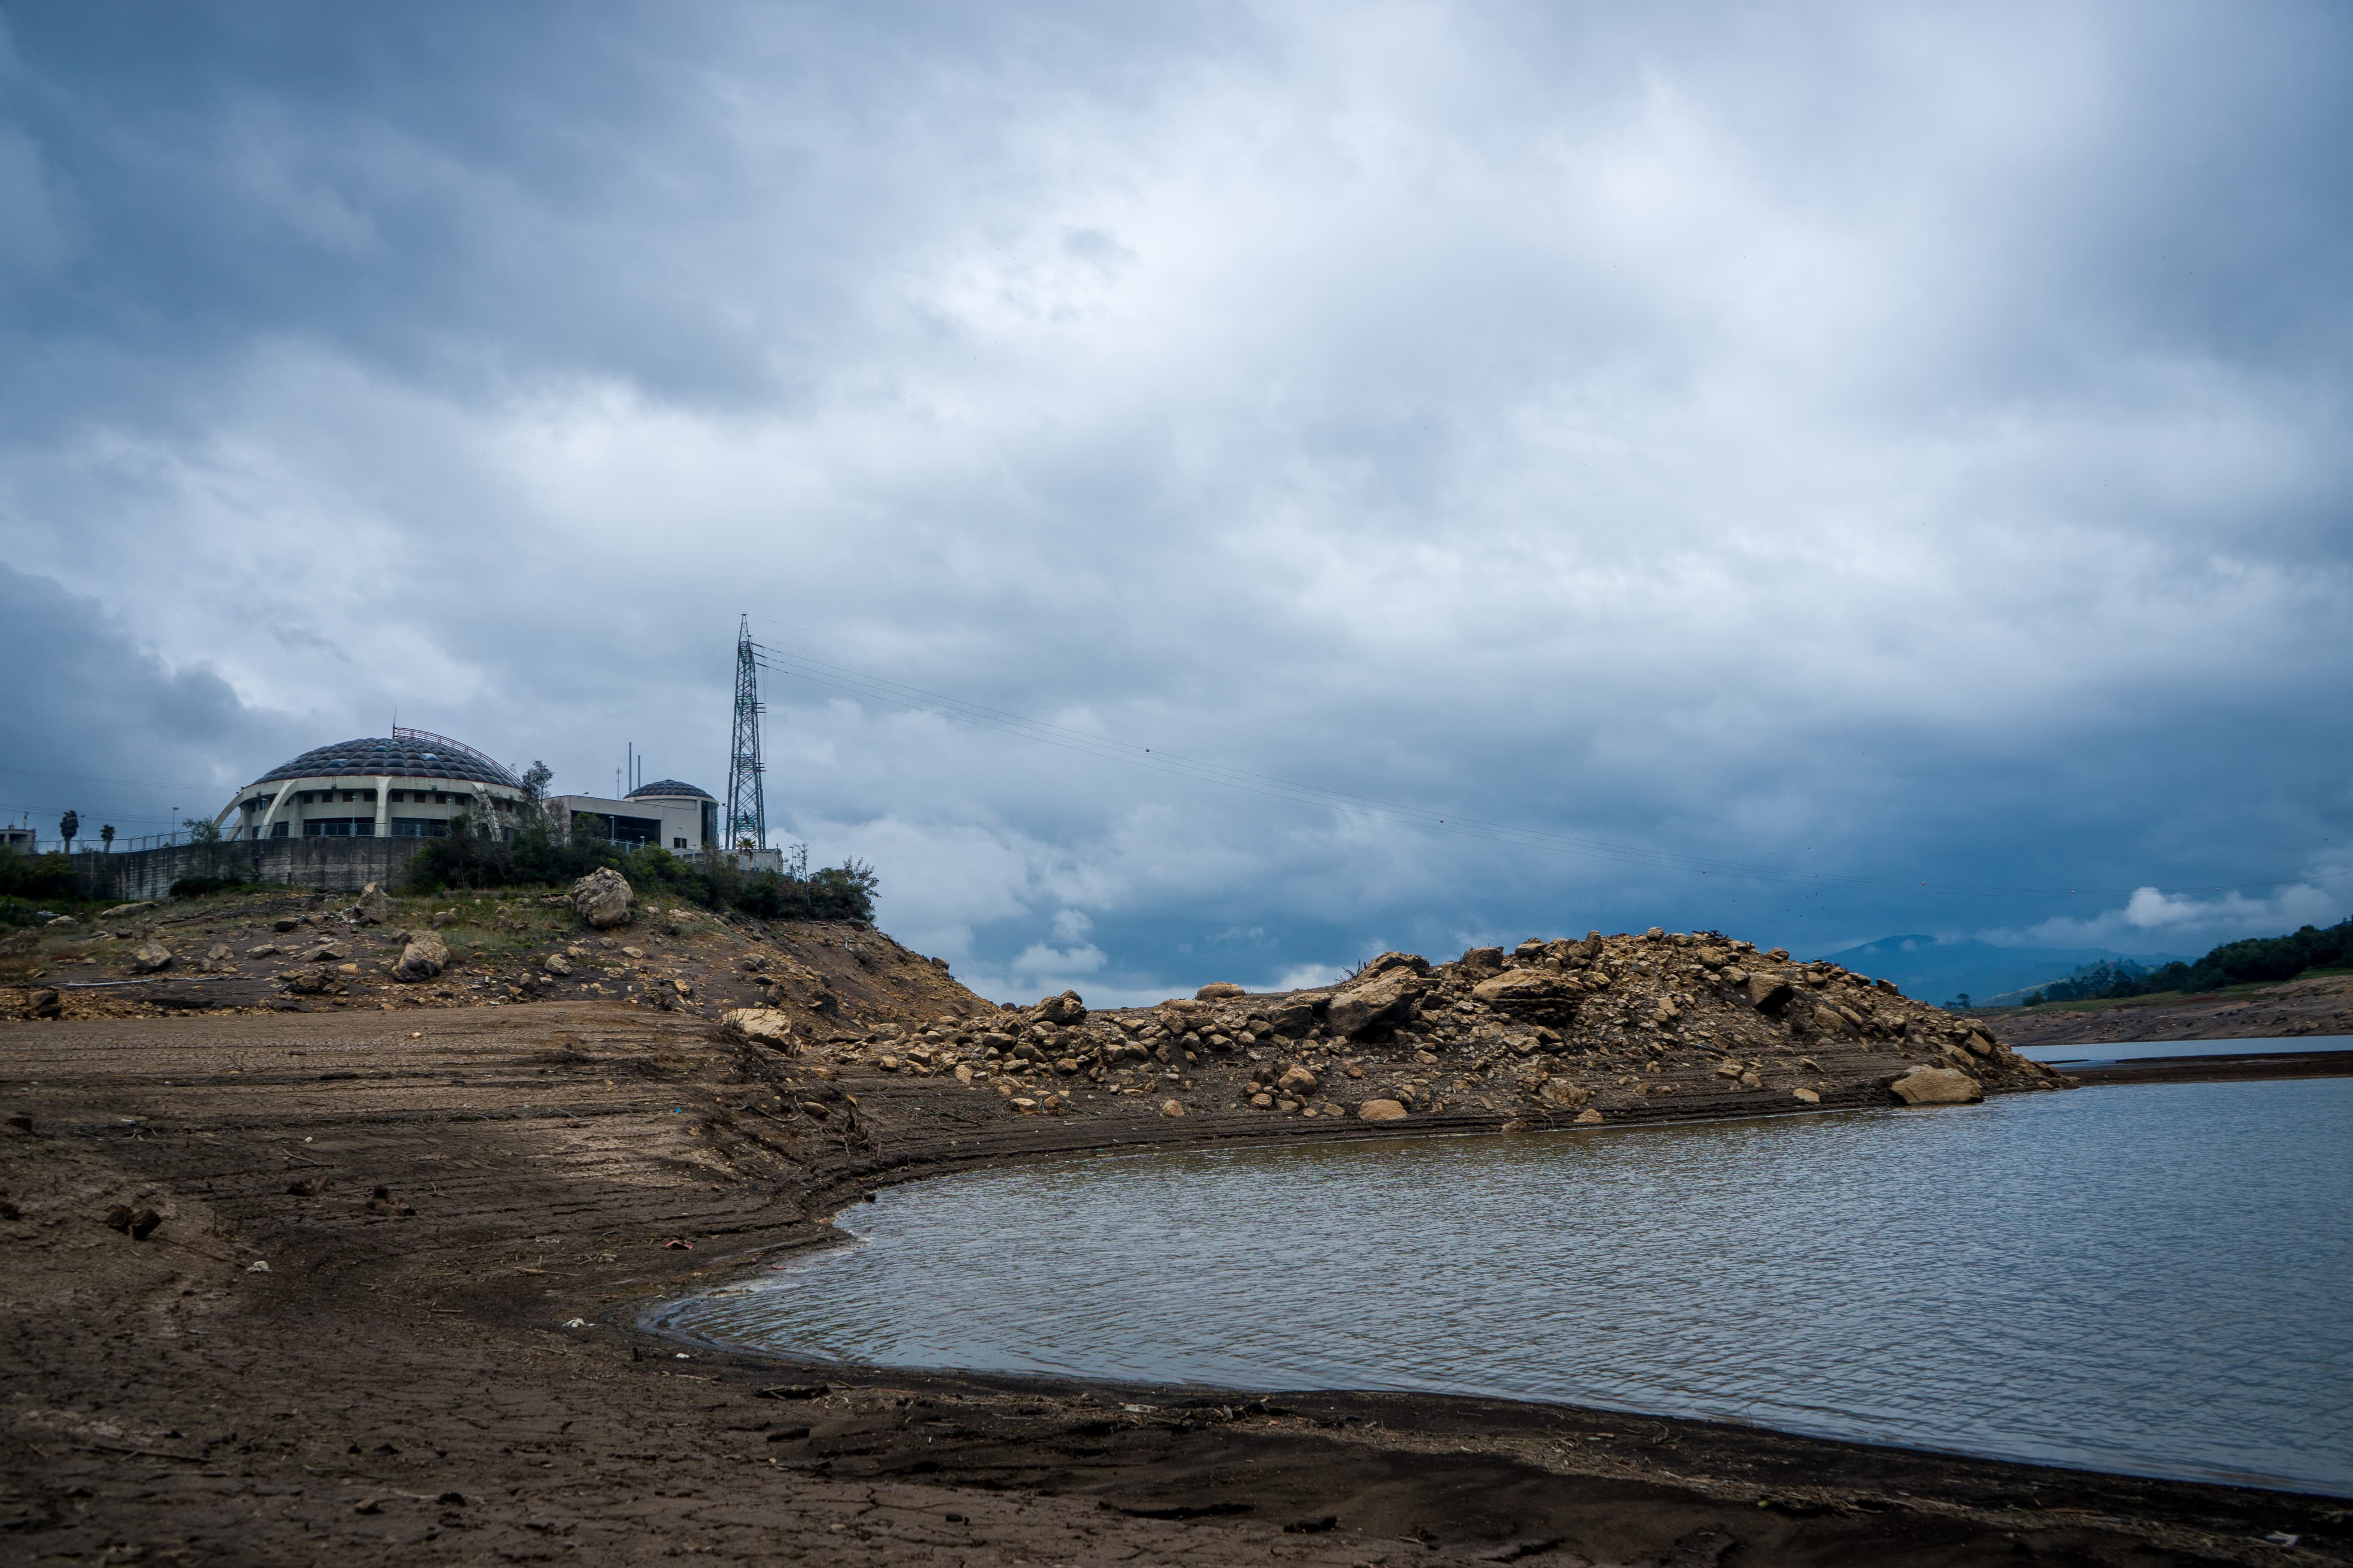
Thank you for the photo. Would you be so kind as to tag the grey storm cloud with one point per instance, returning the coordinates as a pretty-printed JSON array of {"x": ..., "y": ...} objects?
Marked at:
[{"x": 1814, "y": 474}]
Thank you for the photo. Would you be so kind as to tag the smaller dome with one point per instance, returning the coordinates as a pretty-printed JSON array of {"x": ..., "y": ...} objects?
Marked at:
[{"x": 670, "y": 788}]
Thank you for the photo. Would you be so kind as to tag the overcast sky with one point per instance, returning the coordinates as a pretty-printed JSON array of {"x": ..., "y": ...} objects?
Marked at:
[{"x": 1853, "y": 470}]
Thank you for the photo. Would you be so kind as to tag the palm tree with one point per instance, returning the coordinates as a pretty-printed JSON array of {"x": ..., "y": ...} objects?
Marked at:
[
  {"x": 106, "y": 837},
  {"x": 67, "y": 826}
]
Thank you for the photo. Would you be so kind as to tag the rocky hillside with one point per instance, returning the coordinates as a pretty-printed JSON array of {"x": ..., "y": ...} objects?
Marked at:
[
  {"x": 1608, "y": 1028},
  {"x": 288, "y": 951}
]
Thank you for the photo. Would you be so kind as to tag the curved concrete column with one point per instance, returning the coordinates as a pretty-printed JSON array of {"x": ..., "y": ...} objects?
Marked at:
[
  {"x": 384, "y": 808},
  {"x": 261, "y": 828}
]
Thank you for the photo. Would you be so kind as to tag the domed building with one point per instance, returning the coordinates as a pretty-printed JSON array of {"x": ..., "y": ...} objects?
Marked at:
[{"x": 409, "y": 785}]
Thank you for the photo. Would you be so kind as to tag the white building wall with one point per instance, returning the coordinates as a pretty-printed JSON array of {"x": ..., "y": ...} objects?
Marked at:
[{"x": 680, "y": 819}]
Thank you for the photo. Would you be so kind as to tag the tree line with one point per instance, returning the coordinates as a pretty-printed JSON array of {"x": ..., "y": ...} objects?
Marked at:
[{"x": 2251, "y": 960}]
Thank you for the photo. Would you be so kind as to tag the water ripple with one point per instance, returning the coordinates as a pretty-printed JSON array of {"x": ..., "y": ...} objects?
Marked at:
[{"x": 2146, "y": 1279}]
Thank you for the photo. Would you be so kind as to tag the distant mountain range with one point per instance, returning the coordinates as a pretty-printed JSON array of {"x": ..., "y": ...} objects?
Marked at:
[{"x": 1937, "y": 972}]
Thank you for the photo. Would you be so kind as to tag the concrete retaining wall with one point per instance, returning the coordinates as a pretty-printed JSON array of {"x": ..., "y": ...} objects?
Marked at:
[{"x": 329, "y": 864}]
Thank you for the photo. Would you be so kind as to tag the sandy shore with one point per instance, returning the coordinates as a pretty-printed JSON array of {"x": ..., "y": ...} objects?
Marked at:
[{"x": 435, "y": 1194}]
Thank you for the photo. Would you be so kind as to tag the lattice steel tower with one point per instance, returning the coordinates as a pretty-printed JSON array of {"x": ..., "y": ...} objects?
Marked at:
[{"x": 748, "y": 810}]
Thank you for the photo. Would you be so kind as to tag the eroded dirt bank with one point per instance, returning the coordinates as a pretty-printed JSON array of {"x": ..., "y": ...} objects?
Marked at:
[
  {"x": 435, "y": 1194},
  {"x": 2319, "y": 1004}
]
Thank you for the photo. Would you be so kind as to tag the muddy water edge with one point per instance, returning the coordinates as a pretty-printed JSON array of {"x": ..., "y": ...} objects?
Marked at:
[{"x": 436, "y": 1198}]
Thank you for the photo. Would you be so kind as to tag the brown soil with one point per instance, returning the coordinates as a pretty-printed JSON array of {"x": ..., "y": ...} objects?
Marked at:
[
  {"x": 437, "y": 1193},
  {"x": 2241, "y": 1068},
  {"x": 2320, "y": 1004},
  {"x": 671, "y": 957}
]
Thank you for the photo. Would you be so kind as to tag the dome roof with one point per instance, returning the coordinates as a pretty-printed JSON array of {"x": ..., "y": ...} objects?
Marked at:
[
  {"x": 402, "y": 758},
  {"x": 668, "y": 787}
]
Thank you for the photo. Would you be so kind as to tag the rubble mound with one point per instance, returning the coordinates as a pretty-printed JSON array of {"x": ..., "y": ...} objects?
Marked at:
[{"x": 1555, "y": 1031}]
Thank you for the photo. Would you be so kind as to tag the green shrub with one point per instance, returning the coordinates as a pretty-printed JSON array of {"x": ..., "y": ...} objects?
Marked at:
[
  {"x": 22, "y": 912},
  {"x": 536, "y": 858},
  {"x": 36, "y": 877}
]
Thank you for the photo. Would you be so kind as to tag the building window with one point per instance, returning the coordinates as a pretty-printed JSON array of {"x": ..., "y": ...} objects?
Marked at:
[
  {"x": 339, "y": 827},
  {"x": 678, "y": 843},
  {"x": 278, "y": 829},
  {"x": 419, "y": 828}
]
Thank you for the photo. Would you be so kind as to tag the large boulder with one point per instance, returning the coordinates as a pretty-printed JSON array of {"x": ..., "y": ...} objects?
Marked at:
[
  {"x": 604, "y": 898},
  {"x": 374, "y": 906},
  {"x": 1387, "y": 961},
  {"x": 150, "y": 957},
  {"x": 1381, "y": 1110},
  {"x": 425, "y": 956},
  {"x": 1770, "y": 993},
  {"x": 1218, "y": 991},
  {"x": 1294, "y": 1016},
  {"x": 1367, "y": 1005},
  {"x": 1563, "y": 1093},
  {"x": 1937, "y": 1086},
  {"x": 1546, "y": 995},
  {"x": 1067, "y": 1008},
  {"x": 761, "y": 1027}
]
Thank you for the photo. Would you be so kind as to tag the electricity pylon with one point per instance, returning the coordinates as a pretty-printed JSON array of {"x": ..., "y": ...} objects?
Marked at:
[{"x": 748, "y": 810}]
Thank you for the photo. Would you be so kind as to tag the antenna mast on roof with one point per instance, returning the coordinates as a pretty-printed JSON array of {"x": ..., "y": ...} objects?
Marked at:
[{"x": 747, "y": 811}]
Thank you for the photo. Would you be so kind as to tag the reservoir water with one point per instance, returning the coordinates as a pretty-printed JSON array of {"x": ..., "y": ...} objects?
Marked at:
[{"x": 2149, "y": 1279}]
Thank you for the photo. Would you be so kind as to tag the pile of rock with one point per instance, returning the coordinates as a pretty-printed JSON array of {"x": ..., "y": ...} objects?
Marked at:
[{"x": 1549, "y": 1031}]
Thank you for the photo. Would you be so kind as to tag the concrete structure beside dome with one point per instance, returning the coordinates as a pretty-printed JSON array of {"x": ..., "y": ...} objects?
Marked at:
[
  {"x": 410, "y": 784},
  {"x": 677, "y": 816}
]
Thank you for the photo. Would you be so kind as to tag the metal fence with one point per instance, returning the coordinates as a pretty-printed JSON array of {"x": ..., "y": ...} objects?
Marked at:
[{"x": 91, "y": 843}]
